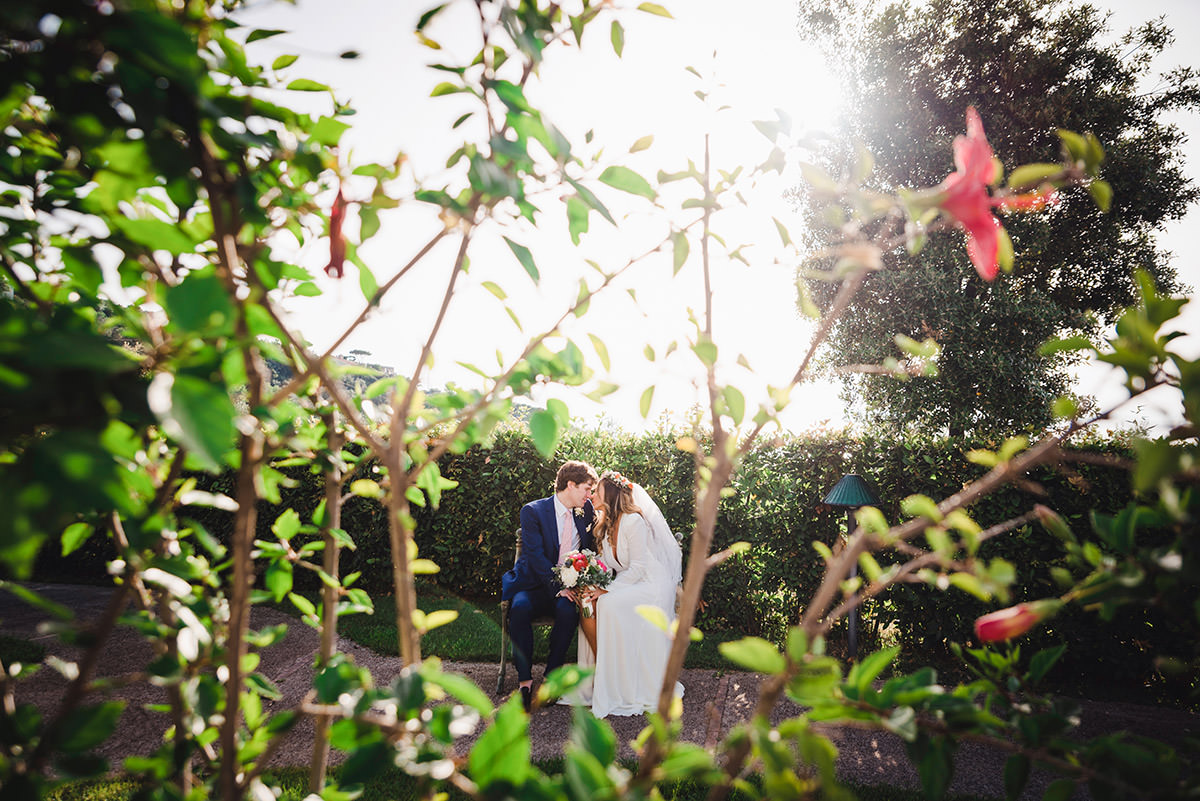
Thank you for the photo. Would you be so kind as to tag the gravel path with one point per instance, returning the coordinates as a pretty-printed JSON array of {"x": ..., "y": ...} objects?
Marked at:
[{"x": 713, "y": 702}]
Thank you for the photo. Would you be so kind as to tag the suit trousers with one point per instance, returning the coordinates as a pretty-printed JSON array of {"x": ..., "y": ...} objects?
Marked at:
[{"x": 540, "y": 602}]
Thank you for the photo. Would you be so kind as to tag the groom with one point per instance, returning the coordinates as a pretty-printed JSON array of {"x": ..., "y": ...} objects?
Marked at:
[{"x": 550, "y": 529}]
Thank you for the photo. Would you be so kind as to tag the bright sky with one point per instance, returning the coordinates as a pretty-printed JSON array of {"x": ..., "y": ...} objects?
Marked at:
[{"x": 763, "y": 65}]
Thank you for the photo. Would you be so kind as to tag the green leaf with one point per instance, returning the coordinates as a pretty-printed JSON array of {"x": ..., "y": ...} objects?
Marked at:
[
  {"x": 428, "y": 16},
  {"x": 1043, "y": 660},
  {"x": 655, "y": 8},
  {"x": 593, "y": 736},
  {"x": 279, "y": 578},
  {"x": 969, "y": 583},
  {"x": 86, "y": 727},
  {"x": 1030, "y": 175},
  {"x": 460, "y": 687},
  {"x": 258, "y": 683},
  {"x": 328, "y": 131},
  {"x": 627, "y": 180},
  {"x": 642, "y": 143},
  {"x": 262, "y": 33},
  {"x": 753, "y": 653},
  {"x": 524, "y": 256},
  {"x": 287, "y": 525},
  {"x": 866, "y": 671},
  {"x": 679, "y": 241},
  {"x": 544, "y": 428},
  {"x": 577, "y": 218},
  {"x": 617, "y": 36},
  {"x": 644, "y": 404},
  {"x": 283, "y": 62},
  {"x": 1066, "y": 344},
  {"x": 200, "y": 303},
  {"x": 1102, "y": 194},
  {"x": 797, "y": 644},
  {"x": 440, "y": 617},
  {"x": 305, "y": 606},
  {"x": 706, "y": 351},
  {"x": 601, "y": 351},
  {"x": 75, "y": 535},
  {"x": 512, "y": 95},
  {"x": 501, "y": 755},
  {"x": 197, "y": 413},
  {"x": 784, "y": 236},
  {"x": 815, "y": 679},
  {"x": 921, "y": 506},
  {"x": 1060, "y": 790},
  {"x": 735, "y": 403},
  {"x": 934, "y": 760},
  {"x": 588, "y": 197},
  {"x": 307, "y": 85},
  {"x": 685, "y": 760}
]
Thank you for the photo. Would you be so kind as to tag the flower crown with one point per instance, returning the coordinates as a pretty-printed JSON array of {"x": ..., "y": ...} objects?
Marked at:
[{"x": 618, "y": 479}]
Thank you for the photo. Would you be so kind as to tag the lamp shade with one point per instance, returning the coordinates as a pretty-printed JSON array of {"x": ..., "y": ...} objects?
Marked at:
[{"x": 850, "y": 492}]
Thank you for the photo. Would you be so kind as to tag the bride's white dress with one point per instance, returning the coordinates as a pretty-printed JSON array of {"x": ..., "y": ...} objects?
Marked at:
[{"x": 632, "y": 651}]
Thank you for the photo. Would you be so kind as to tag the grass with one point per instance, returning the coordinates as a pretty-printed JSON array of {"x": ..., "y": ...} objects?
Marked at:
[
  {"x": 475, "y": 635},
  {"x": 392, "y": 784}
]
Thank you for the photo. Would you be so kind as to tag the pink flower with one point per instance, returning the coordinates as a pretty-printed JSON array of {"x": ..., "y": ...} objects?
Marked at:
[
  {"x": 965, "y": 196},
  {"x": 602, "y": 565},
  {"x": 1014, "y": 621},
  {"x": 337, "y": 242}
]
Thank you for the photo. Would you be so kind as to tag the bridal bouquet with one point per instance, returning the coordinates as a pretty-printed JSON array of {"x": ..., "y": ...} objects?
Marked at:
[{"x": 582, "y": 569}]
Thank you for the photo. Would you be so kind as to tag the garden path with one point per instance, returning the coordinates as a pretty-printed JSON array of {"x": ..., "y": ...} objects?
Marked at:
[{"x": 714, "y": 702}]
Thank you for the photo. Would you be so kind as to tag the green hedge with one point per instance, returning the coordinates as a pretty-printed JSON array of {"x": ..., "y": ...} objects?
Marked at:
[{"x": 775, "y": 505}]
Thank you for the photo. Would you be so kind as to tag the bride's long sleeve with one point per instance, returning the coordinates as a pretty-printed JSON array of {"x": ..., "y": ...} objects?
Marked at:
[{"x": 633, "y": 535}]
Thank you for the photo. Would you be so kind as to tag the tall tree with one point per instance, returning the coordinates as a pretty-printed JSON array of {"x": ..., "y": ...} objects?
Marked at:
[{"x": 909, "y": 72}]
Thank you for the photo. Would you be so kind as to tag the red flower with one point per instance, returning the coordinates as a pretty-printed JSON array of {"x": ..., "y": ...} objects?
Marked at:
[
  {"x": 965, "y": 197},
  {"x": 337, "y": 242},
  {"x": 1030, "y": 201},
  {"x": 1014, "y": 621},
  {"x": 580, "y": 562}
]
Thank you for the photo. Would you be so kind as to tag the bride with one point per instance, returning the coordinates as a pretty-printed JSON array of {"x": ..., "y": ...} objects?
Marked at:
[{"x": 629, "y": 652}]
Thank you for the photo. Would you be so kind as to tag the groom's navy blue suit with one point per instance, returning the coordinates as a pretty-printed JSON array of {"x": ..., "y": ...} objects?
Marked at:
[{"x": 531, "y": 588}]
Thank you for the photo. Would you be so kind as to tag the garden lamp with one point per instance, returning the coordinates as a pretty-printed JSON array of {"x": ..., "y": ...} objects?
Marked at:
[{"x": 850, "y": 493}]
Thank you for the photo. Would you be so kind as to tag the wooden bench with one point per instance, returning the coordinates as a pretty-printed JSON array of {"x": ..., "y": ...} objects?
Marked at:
[{"x": 505, "y": 641}]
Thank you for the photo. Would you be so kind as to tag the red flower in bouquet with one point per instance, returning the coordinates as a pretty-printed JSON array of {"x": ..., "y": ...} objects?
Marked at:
[{"x": 581, "y": 569}]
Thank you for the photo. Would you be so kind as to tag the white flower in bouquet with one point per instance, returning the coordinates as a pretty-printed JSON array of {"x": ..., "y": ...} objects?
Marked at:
[{"x": 568, "y": 576}]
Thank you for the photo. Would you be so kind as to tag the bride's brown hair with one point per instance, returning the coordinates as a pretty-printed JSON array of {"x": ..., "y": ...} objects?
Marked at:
[{"x": 616, "y": 500}]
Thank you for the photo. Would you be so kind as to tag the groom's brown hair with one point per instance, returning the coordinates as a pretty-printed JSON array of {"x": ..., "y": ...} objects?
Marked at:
[{"x": 574, "y": 471}]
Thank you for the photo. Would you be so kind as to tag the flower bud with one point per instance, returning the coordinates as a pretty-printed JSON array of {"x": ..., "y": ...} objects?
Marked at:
[{"x": 1014, "y": 621}]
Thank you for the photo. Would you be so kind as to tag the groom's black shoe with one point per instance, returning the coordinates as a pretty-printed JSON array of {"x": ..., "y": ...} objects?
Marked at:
[{"x": 527, "y": 698}]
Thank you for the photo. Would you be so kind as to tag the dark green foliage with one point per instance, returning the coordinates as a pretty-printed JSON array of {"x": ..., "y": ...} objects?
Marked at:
[
  {"x": 15, "y": 649},
  {"x": 394, "y": 785},
  {"x": 909, "y": 72}
]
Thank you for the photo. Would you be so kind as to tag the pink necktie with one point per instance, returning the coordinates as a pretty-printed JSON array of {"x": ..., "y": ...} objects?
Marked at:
[{"x": 566, "y": 539}]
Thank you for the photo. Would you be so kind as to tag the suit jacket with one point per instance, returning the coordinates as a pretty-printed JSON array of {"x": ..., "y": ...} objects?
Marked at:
[{"x": 539, "y": 547}]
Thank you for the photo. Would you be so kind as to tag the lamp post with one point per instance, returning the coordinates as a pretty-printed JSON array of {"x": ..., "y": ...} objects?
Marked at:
[{"x": 850, "y": 493}]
